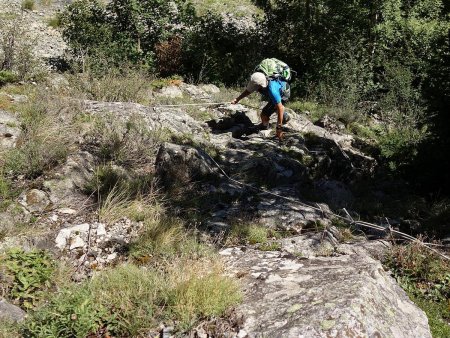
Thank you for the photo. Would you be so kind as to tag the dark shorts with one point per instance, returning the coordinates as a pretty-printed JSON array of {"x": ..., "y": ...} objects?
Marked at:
[{"x": 271, "y": 108}]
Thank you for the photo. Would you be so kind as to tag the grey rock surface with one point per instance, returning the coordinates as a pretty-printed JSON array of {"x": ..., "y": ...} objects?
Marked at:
[
  {"x": 34, "y": 200},
  {"x": 47, "y": 42},
  {"x": 346, "y": 295},
  {"x": 9, "y": 130},
  {"x": 69, "y": 179},
  {"x": 10, "y": 312}
]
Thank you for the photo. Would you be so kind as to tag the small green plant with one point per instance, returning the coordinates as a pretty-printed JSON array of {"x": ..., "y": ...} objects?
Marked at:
[
  {"x": 9, "y": 329},
  {"x": 245, "y": 233},
  {"x": 270, "y": 246},
  {"x": 54, "y": 22},
  {"x": 31, "y": 273},
  {"x": 73, "y": 312},
  {"x": 28, "y": 4},
  {"x": 7, "y": 76}
]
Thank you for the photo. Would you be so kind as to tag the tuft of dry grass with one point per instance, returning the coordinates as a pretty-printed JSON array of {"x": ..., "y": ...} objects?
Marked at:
[
  {"x": 46, "y": 136},
  {"x": 124, "y": 85}
]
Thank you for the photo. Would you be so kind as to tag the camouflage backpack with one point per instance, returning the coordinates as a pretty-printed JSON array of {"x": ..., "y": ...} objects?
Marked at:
[{"x": 274, "y": 69}]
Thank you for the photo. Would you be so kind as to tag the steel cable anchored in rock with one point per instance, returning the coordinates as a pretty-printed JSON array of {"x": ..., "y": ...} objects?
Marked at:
[{"x": 347, "y": 219}]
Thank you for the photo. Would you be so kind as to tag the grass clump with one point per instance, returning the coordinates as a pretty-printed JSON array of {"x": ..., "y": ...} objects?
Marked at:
[
  {"x": 6, "y": 77},
  {"x": 127, "y": 143},
  {"x": 247, "y": 234},
  {"x": 114, "y": 85},
  {"x": 54, "y": 22},
  {"x": 45, "y": 138},
  {"x": 118, "y": 204},
  {"x": 164, "y": 239},
  {"x": 30, "y": 273},
  {"x": 28, "y": 5},
  {"x": 131, "y": 301}
]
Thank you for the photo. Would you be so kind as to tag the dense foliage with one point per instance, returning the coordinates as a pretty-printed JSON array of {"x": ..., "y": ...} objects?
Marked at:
[{"x": 388, "y": 58}]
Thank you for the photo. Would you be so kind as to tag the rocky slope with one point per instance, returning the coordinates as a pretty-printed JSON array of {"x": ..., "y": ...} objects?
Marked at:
[
  {"x": 312, "y": 283},
  {"x": 47, "y": 41}
]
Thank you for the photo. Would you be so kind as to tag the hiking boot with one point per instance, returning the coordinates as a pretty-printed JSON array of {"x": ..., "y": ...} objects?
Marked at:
[{"x": 263, "y": 126}]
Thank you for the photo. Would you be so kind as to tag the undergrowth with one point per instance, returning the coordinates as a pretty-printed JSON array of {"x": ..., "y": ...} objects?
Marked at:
[
  {"x": 426, "y": 278},
  {"x": 26, "y": 276},
  {"x": 131, "y": 301}
]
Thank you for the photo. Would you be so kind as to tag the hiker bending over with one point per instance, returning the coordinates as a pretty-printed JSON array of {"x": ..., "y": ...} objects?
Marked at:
[{"x": 277, "y": 93}]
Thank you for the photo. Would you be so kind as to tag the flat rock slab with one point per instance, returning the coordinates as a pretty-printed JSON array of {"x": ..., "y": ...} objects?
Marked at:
[{"x": 340, "y": 296}]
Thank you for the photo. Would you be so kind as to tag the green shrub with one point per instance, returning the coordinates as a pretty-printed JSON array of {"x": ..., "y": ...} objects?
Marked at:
[
  {"x": 32, "y": 273},
  {"x": 399, "y": 146},
  {"x": 28, "y": 4},
  {"x": 122, "y": 31},
  {"x": 7, "y": 77},
  {"x": 73, "y": 312},
  {"x": 426, "y": 278},
  {"x": 16, "y": 51},
  {"x": 221, "y": 51},
  {"x": 420, "y": 271}
]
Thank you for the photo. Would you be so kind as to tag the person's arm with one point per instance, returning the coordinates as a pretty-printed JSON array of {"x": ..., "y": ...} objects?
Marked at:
[
  {"x": 244, "y": 94},
  {"x": 280, "y": 112}
]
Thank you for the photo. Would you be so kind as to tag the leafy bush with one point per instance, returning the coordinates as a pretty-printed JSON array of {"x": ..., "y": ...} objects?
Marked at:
[
  {"x": 17, "y": 61},
  {"x": 122, "y": 31},
  {"x": 73, "y": 312},
  {"x": 420, "y": 271},
  {"x": 31, "y": 272},
  {"x": 222, "y": 50},
  {"x": 426, "y": 278},
  {"x": 399, "y": 146}
]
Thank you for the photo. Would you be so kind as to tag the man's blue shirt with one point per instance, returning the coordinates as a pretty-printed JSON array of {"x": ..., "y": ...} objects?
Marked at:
[{"x": 274, "y": 90}]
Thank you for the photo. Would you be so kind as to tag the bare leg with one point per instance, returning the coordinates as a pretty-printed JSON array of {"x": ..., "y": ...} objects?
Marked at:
[{"x": 265, "y": 120}]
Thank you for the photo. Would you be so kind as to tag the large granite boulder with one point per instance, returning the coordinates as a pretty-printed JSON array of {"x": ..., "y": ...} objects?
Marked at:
[{"x": 340, "y": 295}]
